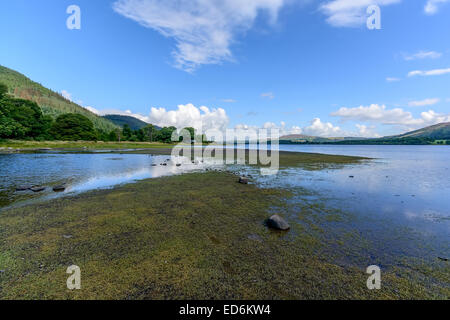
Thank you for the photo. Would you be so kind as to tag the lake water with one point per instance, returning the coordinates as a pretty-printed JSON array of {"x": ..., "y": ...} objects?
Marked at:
[
  {"x": 81, "y": 172},
  {"x": 401, "y": 199},
  {"x": 398, "y": 200}
]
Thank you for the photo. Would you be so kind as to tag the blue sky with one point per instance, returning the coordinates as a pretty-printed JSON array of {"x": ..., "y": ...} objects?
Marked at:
[{"x": 304, "y": 66}]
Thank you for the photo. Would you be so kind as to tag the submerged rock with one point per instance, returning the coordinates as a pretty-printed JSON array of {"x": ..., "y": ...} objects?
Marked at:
[
  {"x": 59, "y": 188},
  {"x": 23, "y": 188},
  {"x": 276, "y": 222},
  {"x": 37, "y": 189}
]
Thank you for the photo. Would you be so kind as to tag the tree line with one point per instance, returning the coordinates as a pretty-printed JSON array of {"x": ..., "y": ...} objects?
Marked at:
[{"x": 23, "y": 120}]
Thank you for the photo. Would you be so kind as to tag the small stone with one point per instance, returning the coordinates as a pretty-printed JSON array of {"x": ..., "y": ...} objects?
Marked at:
[
  {"x": 276, "y": 222},
  {"x": 59, "y": 188},
  {"x": 243, "y": 180},
  {"x": 37, "y": 189},
  {"x": 178, "y": 164}
]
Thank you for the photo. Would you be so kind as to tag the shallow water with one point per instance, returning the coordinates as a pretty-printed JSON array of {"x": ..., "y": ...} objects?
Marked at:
[
  {"x": 81, "y": 172},
  {"x": 400, "y": 200}
]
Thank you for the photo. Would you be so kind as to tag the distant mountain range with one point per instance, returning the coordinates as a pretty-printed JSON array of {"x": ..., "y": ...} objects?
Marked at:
[
  {"x": 300, "y": 138},
  {"x": 51, "y": 103},
  {"x": 132, "y": 122},
  {"x": 436, "y": 134}
]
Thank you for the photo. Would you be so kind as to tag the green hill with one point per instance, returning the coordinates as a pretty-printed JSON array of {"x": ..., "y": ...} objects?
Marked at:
[
  {"x": 51, "y": 103},
  {"x": 439, "y": 131},
  {"x": 133, "y": 123}
]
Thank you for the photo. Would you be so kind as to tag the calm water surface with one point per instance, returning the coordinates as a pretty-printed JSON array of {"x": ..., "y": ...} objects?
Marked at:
[
  {"x": 400, "y": 200},
  {"x": 81, "y": 172}
]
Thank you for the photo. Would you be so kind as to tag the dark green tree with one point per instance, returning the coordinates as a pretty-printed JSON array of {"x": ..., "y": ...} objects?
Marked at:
[
  {"x": 113, "y": 136},
  {"x": 165, "y": 134},
  {"x": 73, "y": 127},
  {"x": 127, "y": 133},
  {"x": 22, "y": 119},
  {"x": 3, "y": 90}
]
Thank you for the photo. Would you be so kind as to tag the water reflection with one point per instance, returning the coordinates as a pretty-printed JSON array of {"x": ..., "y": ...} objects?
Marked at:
[{"x": 81, "y": 172}]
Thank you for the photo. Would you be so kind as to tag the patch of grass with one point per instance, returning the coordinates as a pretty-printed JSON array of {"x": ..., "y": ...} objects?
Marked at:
[
  {"x": 193, "y": 236},
  {"x": 80, "y": 145}
]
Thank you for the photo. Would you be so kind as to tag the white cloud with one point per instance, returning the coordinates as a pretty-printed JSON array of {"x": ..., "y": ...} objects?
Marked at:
[
  {"x": 423, "y": 103},
  {"x": 323, "y": 129},
  {"x": 350, "y": 13},
  {"x": 380, "y": 114},
  {"x": 423, "y": 55},
  {"x": 391, "y": 79},
  {"x": 366, "y": 131},
  {"x": 432, "y": 6},
  {"x": 67, "y": 95},
  {"x": 188, "y": 115},
  {"x": 203, "y": 30},
  {"x": 268, "y": 95},
  {"x": 435, "y": 72}
]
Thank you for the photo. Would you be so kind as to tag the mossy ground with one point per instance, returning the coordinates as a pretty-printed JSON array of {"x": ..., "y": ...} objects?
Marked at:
[{"x": 193, "y": 236}]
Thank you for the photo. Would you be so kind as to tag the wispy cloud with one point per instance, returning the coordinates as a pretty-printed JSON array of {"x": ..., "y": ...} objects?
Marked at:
[
  {"x": 392, "y": 79},
  {"x": 432, "y": 6},
  {"x": 268, "y": 95},
  {"x": 423, "y": 55},
  {"x": 203, "y": 30},
  {"x": 229, "y": 100},
  {"x": 424, "y": 103},
  {"x": 427, "y": 73},
  {"x": 350, "y": 13}
]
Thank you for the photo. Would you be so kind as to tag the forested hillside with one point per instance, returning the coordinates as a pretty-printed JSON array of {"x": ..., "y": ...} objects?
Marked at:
[{"x": 51, "y": 103}]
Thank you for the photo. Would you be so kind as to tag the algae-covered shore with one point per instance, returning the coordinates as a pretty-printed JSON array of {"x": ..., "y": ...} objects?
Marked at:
[{"x": 193, "y": 236}]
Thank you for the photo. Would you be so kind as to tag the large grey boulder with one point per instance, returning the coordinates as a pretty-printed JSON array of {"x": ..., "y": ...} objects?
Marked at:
[{"x": 278, "y": 223}]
